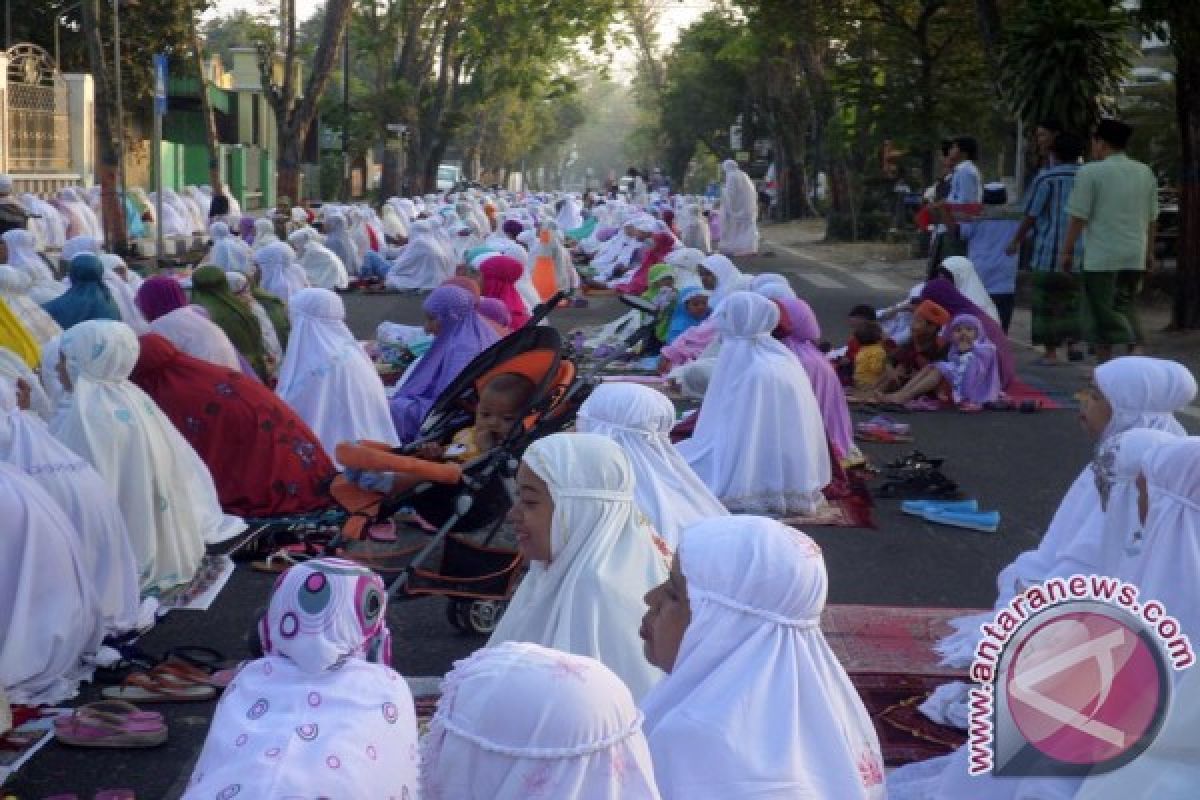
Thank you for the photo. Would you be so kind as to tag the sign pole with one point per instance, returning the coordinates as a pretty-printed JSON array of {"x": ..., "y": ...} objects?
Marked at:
[{"x": 160, "y": 108}]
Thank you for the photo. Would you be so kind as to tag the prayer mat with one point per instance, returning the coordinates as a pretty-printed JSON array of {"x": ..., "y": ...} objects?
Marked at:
[
  {"x": 849, "y": 505},
  {"x": 199, "y": 594},
  {"x": 1019, "y": 391},
  {"x": 896, "y": 640},
  {"x": 905, "y": 734},
  {"x": 32, "y": 728}
]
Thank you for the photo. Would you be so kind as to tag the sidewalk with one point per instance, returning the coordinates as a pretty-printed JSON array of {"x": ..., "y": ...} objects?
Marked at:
[{"x": 893, "y": 260}]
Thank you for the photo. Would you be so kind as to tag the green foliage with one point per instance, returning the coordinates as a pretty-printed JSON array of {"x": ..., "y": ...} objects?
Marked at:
[{"x": 1064, "y": 59}]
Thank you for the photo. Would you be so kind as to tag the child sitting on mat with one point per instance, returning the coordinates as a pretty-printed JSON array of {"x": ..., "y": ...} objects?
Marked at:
[
  {"x": 871, "y": 359},
  {"x": 970, "y": 374}
]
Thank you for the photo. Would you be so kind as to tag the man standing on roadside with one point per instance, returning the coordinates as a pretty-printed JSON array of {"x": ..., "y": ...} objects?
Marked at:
[
  {"x": 1056, "y": 295},
  {"x": 1116, "y": 199}
]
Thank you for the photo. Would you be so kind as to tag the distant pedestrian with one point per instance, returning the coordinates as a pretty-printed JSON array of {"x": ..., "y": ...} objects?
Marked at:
[
  {"x": 1116, "y": 200},
  {"x": 987, "y": 238},
  {"x": 1056, "y": 294},
  {"x": 739, "y": 210},
  {"x": 963, "y": 193}
]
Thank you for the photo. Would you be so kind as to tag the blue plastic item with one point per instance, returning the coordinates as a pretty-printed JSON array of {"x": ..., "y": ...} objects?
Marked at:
[
  {"x": 983, "y": 521},
  {"x": 918, "y": 508}
]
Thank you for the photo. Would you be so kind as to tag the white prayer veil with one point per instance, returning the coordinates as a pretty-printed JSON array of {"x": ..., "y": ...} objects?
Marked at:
[
  {"x": 228, "y": 252},
  {"x": 49, "y": 620},
  {"x": 13, "y": 367},
  {"x": 165, "y": 491},
  {"x": 195, "y": 334},
  {"x": 519, "y": 721},
  {"x": 760, "y": 444},
  {"x": 587, "y": 599},
  {"x": 686, "y": 261},
  {"x": 23, "y": 255},
  {"x": 107, "y": 557},
  {"x": 328, "y": 378},
  {"x": 424, "y": 263},
  {"x": 729, "y": 278},
  {"x": 640, "y": 419},
  {"x": 772, "y": 286},
  {"x": 281, "y": 275},
  {"x": 15, "y": 287},
  {"x": 757, "y": 704},
  {"x": 968, "y": 283}
]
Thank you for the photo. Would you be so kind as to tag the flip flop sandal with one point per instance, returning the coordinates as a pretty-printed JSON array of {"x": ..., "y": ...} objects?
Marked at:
[
  {"x": 160, "y": 687},
  {"x": 384, "y": 532},
  {"x": 98, "y": 729},
  {"x": 280, "y": 561},
  {"x": 199, "y": 656},
  {"x": 121, "y": 708},
  {"x": 189, "y": 673}
]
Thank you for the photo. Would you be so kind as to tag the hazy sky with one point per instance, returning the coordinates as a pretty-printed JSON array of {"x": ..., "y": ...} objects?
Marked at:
[{"x": 677, "y": 14}]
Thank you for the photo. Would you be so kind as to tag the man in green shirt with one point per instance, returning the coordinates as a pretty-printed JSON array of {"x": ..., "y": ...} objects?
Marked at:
[{"x": 1116, "y": 199}]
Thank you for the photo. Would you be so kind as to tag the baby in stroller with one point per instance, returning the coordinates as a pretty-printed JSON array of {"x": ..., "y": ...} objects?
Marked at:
[{"x": 501, "y": 406}]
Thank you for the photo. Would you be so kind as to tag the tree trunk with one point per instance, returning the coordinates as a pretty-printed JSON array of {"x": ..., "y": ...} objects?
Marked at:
[
  {"x": 1186, "y": 307},
  {"x": 108, "y": 128},
  {"x": 211, "y": 140},
  {"x": 991, "y": 30},
  {"x": 287, "y": 167}
]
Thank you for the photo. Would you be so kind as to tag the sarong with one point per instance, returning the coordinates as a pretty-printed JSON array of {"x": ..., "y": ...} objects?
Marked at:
[
  {"x": 1056, "y": 309},
  {"x": 1109, "y": 324}
]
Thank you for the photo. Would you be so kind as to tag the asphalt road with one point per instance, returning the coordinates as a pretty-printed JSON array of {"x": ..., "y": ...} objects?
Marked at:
[{"x": 1020, "y": 464}]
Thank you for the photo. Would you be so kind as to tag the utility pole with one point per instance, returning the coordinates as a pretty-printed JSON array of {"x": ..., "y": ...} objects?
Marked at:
[
  {"x": 346, "y": 116},
  {"x": 120, "y": 104}
]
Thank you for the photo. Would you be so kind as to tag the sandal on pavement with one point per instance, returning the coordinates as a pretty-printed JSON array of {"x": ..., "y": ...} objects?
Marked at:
[
  {"x": 280, "y": 561},
  {"x": 160, "y": 687},
  {"x": 89, "y": 727}
]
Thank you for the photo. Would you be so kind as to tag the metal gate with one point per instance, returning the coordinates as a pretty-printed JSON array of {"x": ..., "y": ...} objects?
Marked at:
[{"x": 38, "y": 128}]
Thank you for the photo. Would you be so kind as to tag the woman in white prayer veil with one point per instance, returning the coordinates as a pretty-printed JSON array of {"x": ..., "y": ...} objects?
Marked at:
[
  {"x": 665, "y": 488},
  {"x": 264, "y": 234},
  {"x": 49, "y": 619},
  {"x": 123, "y": 291},
  {"x": 519, "y": 722},
  {"x": 686, "y": 261},
  {"x": 328, "y": 378},
  {"x": 165, "y": 491},
  {"x": 322, "y": 266},
  {"x": 15, "y": 369},
  {"x": 755, "y": 703},
  {"x": 173, "y": 223},
  {"x": 967, "y": 281},
  {"x": 423, "y": 263},
  {"x": 394, "y": 226},
  {"x": 693, "y": 229},
  {"x": 22, "y": 255},
  {"x": 591, "y": 556},
  {"x": 228, "y": 252},
  {"x": 569, "y": 217},
  {"x": 339, "y": 240},
  {"x": 108, "y": 561},
  {"x": 281, "y": 275},
  {"x": 739, "y": 212},
  {"x": 14, "y": 291},
  {"x": 760, "y": 442},
  {"x": 1128, "y": 393}
]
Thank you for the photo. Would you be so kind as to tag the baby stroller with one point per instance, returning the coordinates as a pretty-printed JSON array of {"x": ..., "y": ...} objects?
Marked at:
[{"x": 461, "y": 500}]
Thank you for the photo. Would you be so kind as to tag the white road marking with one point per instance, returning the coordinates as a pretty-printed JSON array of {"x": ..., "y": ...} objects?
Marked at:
[
  {"x": 822, "y": 281},
  {"x": 874, "y": 280}
]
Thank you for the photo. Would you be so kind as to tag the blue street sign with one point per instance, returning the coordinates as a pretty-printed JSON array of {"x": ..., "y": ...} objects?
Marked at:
[{"x": 160, "y": 84}]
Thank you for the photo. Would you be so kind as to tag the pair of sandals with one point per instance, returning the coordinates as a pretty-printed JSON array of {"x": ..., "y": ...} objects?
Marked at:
[
  {"x": 918, "y": 476},
  {"x": 184, "y": 675},
  {"x": 111, "y": 724}
]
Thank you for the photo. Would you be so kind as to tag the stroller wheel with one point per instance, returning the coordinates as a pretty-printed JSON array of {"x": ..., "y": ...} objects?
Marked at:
[{"x": 482, "y": 616}]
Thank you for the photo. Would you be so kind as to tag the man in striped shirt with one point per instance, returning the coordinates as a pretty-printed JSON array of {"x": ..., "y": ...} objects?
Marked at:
[{"x": 1056, "y": 294}]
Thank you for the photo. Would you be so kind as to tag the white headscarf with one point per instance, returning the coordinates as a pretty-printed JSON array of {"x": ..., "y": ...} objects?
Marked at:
[
  {"x": 757, "y": 704},
  {"x": 281, "y": 275},
  {"x": 195, "y": 334},
  {"x": 1144, "y": 393},
  {"x": 15, "y": 292},
  {"x": 1121, "y": 547},
  {"x": 739, "y": 211},
  {"x": 666, "y": 489},
  {"x": 23, "y": 256},
  {"x": 49, "y": 619},
  {"x": 123, "y": 292},
  {"x": 760, "y": 443},
  {"x": 569, "y": 217},
  {"x": 13, "y": 367},
  {"x": 328, "y": 379},
  {"x": 228, "y": 252},
  {"x": 103, "y": 539},
  {"x": 1170, "y": 564},
  {"x": 772, "y": 286},
  {"x": 423, "y": 263},
  {"x": 729, "y": 278},
  {"x": 163, "y": 488},
  {"x": 587, "y": 599},
  {"x": 338, "y": 239},
  {"x": 686, "y": 261},
  {"x": 264, "y": 234},
  {"x": 321, "y": 714},
  {"x": 322, "y": 266},
  {"x": 967, "y": 281},
  {"x": 520, "y": 722}
]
